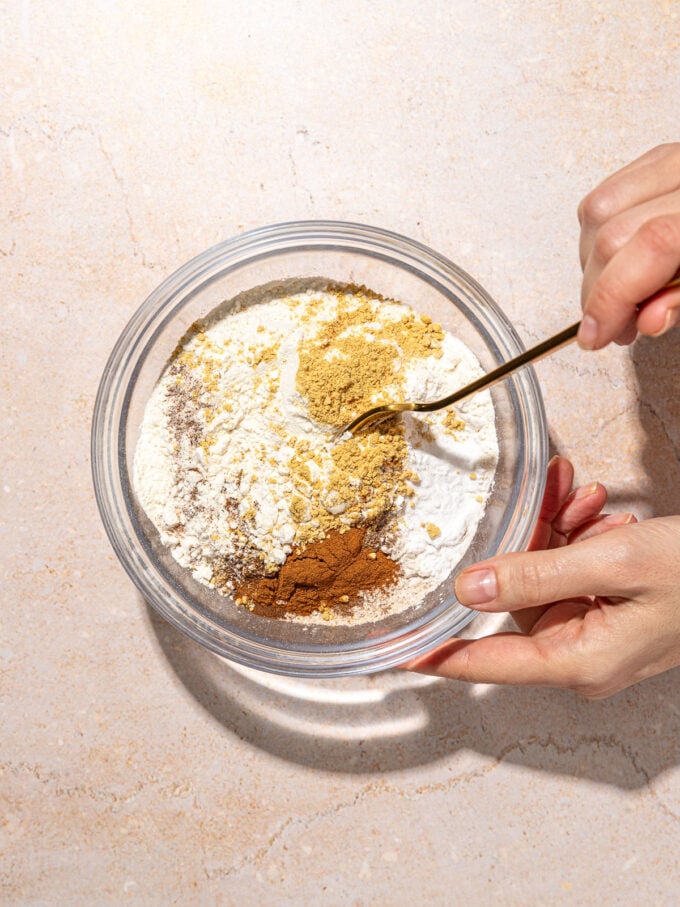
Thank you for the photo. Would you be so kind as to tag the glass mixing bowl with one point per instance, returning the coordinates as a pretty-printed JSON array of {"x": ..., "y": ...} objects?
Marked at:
[{"x": 395, "y": 267}]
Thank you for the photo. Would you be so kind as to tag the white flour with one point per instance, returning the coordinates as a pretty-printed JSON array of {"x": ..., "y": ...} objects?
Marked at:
[{"x": 217, "y": 466}]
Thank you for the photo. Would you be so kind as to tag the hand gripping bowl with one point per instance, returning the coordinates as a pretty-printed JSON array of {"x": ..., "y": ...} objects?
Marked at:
[{"x": 395, "y": 267}]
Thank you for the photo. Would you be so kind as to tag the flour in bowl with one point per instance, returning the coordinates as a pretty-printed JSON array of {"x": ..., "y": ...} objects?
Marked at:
[{"x": 237, "y": 468}]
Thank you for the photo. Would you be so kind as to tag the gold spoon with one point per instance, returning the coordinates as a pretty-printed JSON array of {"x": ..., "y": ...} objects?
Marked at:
[{"x": 565, "y": 337}]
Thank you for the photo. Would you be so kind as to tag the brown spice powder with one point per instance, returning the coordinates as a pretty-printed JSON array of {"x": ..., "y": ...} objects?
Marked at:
[{"x": 327, "y": 576}]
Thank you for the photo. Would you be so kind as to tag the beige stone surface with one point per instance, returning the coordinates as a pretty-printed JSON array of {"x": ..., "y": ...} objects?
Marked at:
[{"x": 137, "y": 767}]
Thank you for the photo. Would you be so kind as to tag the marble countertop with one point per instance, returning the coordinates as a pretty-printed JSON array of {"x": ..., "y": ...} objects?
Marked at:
[{"x": 137, "y": 767}]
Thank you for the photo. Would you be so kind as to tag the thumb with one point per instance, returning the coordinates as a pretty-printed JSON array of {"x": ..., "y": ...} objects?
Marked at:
[{"x": 603, "y": 565}]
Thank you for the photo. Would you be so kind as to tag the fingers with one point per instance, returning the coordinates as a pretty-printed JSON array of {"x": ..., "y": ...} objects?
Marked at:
[
  {"x": 613, "y": 235},
  {"x": 559, "y": 478},
  {"x": 594, "y": 647},
  {"x": 651, "y": 176},
  {"x": 562, "y": 509},
  {"x": 648, "y": 261},
  {"x": 577, "y": 520},
  {"x": 628, "y": 334},
  {"x": 502, "y": 658},
  {"x": 629, "y": 248},
  {"x": 600, "y": 525},
  {"x": 603, "y": 565},
  {"x": 660, "y": 315},
  {"x": 581, "y": 506}
]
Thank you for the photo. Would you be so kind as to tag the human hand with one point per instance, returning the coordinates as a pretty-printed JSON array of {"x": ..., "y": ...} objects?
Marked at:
[
  {"x": 597, "y": 600},
  {"x": 630, "y": 247}
]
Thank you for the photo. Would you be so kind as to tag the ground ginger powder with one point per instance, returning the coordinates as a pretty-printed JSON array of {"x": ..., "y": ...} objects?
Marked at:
[{"x": 353, "y": 362}]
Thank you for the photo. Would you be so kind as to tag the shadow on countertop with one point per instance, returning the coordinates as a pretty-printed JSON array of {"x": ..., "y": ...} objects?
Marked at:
[
  {"x": 395, "y": 721},
  {"x": 657, "y": 368}
]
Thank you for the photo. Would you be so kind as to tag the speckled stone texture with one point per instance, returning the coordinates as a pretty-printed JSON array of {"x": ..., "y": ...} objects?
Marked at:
[{"x": 137, "y": 767}]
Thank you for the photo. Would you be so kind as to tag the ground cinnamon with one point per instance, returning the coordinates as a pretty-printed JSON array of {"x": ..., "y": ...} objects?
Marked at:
[{"x": 327, "y": 576}]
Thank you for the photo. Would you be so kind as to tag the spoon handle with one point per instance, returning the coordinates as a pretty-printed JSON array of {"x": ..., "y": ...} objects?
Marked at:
[{"x": 564, "y": 338}]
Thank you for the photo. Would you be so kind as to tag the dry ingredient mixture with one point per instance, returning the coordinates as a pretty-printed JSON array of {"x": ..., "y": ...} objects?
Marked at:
[{"x": 237, "y": 469}]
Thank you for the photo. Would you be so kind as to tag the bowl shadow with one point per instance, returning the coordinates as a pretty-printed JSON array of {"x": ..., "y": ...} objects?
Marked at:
[
  {"x": 656, "y": 362},
  {"x": 395, "y": 721}
]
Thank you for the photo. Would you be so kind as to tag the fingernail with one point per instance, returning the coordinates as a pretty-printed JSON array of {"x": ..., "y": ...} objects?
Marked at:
[
  {"x": 671, "y": 321},
  {"x": 620, "y": 519},
  {"x": 477, "y": 587},
  {"x": 587, "y": 333},
  {"x": 585, "y": 491}
]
